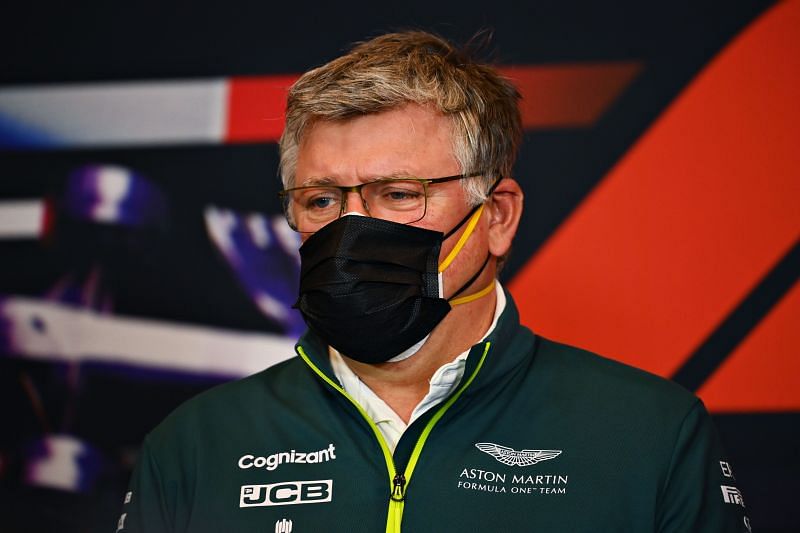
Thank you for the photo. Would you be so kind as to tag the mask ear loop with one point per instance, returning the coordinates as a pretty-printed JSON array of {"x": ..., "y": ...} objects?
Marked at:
[
  {"x": 473, "y": 216},
  {"x": 472, "y": 211},
  {"x": 463, "y": 239},
  {"x": 472, "y": 297},
  {"x": 483, "y": 292}
]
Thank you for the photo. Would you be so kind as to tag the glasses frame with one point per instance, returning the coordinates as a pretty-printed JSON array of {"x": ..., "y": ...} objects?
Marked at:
[{"x": 357, "y": 189}]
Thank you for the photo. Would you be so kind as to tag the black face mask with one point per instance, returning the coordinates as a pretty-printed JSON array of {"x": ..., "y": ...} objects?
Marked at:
[{"x": 370, "y": 288}]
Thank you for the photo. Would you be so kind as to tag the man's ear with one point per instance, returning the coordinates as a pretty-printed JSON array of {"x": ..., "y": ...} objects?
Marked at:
[{"x": 505, "y": 210}]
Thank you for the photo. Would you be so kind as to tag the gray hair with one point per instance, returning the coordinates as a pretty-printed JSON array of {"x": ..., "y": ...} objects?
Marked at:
[{"x": 395, "y": 69}]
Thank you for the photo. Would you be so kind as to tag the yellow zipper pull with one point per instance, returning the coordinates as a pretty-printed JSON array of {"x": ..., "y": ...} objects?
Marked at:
[
  {"x": 396, "y": 504},
  {"x": 399, "y": 485}
]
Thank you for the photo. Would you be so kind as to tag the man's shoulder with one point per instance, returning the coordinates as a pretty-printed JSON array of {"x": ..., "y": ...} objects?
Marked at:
[
  {"x": 581, "y": 373},
  {"x": 233, "y": 403}
]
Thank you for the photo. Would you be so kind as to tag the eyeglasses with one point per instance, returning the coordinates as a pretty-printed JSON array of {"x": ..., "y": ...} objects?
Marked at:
[{"x": 402, "y": 200}]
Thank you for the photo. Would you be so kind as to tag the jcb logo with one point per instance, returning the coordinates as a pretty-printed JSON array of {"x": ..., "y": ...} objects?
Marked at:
[{"x": 286, "y": 493}]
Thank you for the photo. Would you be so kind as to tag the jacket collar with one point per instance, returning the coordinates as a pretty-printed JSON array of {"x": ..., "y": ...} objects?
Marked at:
[{"x": 510, "y": 343}]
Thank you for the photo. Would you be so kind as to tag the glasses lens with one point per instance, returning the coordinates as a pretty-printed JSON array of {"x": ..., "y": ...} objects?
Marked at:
[
  {"x": 400, "y": 201},
  {"x": 308, "y": 209}
]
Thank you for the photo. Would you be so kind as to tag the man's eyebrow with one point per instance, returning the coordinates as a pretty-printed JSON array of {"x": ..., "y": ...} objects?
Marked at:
[
  {"x": 399, "y": 175},
  {"x": 317, "y": 181},
  {"x": 327, "y": 180}
]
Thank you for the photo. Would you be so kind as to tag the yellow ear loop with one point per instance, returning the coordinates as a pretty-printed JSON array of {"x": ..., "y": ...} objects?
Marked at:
[{"x": 473, "y": 221}]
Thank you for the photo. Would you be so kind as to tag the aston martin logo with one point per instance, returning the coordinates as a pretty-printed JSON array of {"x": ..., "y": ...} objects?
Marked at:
[{"x": 512, "y": 457}]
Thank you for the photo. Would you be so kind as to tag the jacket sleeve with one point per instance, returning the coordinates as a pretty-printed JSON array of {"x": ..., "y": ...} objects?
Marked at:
[
  {"x": 700, "y": 493},
  {"x": 147, "y": 502}
]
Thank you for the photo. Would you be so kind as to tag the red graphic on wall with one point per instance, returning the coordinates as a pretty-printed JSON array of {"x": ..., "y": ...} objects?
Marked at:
[
  {"x": 687, "y": 223},
  {"x": 555, "y": 96}
]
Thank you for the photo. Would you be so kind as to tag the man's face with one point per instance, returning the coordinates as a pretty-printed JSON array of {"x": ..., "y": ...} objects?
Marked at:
[{"x": 411, "y": 141}]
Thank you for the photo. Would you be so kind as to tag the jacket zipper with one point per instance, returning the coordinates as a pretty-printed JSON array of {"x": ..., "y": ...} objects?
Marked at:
[{"x": 398, "y": 482}]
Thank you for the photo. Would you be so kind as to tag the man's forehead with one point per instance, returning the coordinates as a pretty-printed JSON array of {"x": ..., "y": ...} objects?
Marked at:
[{"x": 410, "y": 141}]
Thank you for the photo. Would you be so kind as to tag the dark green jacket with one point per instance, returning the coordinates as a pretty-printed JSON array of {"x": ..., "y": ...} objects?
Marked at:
[{"x": 538, "y": 437}]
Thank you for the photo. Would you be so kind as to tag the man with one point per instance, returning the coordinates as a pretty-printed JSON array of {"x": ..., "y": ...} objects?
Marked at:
[{"x": 417, "y": 401}]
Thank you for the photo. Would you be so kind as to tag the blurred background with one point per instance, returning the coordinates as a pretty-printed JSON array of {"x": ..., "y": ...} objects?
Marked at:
[{"x": 144, "y": 257}]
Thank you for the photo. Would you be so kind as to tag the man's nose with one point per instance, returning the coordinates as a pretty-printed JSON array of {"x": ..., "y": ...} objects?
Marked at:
[{"x": 354, "y": 204}]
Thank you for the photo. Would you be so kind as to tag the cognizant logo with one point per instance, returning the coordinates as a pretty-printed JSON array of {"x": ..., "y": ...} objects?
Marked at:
[{"x": 271, "y": 462}]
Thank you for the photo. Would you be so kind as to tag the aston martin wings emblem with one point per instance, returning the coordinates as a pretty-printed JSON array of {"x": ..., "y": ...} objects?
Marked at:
[{"x": 512, "y": 457}]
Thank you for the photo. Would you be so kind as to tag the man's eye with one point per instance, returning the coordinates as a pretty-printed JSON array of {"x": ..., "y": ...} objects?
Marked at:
[
  {"x": 400, "y": 195},
  {"x": 399, "y": 192},
  {"x": 321, "y": 202}
]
